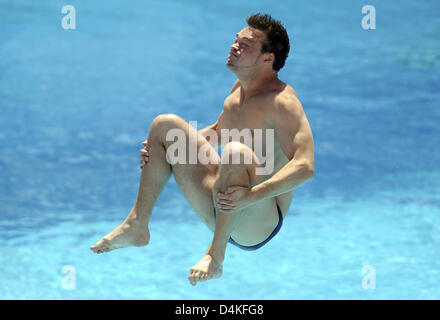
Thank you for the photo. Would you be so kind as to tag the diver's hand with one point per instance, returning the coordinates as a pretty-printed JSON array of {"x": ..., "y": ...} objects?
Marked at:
[
  {"x": 235, "y": 198},
  {"x": 144, "y": 154}
]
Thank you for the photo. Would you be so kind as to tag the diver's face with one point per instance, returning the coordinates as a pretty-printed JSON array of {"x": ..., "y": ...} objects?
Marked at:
[{"x": 246, "y": 50}]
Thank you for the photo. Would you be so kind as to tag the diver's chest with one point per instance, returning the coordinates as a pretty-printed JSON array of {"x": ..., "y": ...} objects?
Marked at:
[
  {"x": 246, "y": 117},
  {"x": 250, "y": 126}
]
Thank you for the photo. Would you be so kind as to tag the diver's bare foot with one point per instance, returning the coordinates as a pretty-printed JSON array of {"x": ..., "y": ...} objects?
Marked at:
[
  {"x": 129, "y": 233},
  {"x": 207, "y": 268}
]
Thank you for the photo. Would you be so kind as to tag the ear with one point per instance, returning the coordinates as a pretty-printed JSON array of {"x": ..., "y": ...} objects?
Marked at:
[{"x": 269, "y": 58}]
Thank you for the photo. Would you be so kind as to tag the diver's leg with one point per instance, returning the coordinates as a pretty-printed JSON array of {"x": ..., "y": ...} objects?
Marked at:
[
  {"x": 194, "y": 180},
  {"x": 230, "y": 174}
]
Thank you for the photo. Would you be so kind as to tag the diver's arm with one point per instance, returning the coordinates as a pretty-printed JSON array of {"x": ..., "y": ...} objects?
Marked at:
[
  {"x": 300, "y": 168},
  {"x": 205, "y": 131}
]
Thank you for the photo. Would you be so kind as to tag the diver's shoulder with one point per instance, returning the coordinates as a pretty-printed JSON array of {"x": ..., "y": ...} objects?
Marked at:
[
  {"x": 286, "y": 98},
  {"x": 286, "y": 91},
  {"x": 282, "y": 91},
  {"x": 287, "y": 106}
]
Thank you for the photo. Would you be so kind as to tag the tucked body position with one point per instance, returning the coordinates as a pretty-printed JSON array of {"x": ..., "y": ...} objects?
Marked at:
[{"x": 242, "y": 202}]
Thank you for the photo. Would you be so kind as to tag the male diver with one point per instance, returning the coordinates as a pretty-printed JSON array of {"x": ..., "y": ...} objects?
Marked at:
[{"x": 239, "y": 203}]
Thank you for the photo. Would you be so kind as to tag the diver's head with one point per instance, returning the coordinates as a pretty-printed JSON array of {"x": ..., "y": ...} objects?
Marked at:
[{"x": 262, "y": 46}]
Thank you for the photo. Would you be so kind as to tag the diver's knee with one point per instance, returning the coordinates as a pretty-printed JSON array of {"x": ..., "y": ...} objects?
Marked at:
[
  {"x": 163, "y": 123},
  {"x": 236, "y": 152},
  {"x": 165, "y": 119}
]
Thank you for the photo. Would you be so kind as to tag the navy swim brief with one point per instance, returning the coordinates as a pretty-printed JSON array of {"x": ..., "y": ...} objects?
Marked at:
[{"x": 259, "y": 245}]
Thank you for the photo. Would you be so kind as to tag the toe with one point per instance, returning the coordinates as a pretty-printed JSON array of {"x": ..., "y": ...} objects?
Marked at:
[
  {"x": 191, "y": 277},
  {"x": 196, "y": 275},
  {"x": 97, "y": 246},
  {"x": 203, "y": 277},
  {"x": 193, "y": 281}
]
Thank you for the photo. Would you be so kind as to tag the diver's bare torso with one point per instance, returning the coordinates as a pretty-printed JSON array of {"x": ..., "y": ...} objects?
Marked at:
[{"x": 260, "y": 112}]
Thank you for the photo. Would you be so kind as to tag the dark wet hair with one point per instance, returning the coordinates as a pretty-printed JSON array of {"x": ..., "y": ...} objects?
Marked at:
[{"x": 277, "y": 40}]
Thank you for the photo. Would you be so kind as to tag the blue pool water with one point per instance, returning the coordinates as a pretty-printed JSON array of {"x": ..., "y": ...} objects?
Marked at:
[{"x": 75, "y": 105}]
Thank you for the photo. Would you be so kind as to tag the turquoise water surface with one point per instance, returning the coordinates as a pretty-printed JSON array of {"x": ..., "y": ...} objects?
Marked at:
[{"x": 75, "y": 105}]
